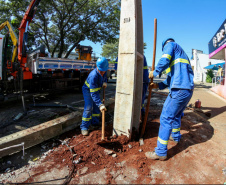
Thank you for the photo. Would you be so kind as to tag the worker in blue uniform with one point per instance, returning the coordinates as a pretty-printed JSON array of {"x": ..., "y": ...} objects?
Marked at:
[
  {"x": 116, "y": 63},
  {"x": 91, "y": 92},
  {"x": 116, "y": 66},
  {"x": 145, "y": 85},
  {"x": 180, "y": 82}
]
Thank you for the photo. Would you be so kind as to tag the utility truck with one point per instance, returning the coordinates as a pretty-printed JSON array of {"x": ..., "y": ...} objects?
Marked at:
[{"x": 35, "y": 72}]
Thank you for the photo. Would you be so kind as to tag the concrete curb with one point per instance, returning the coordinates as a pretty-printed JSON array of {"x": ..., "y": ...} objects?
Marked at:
[{"x": 50, "y": 129}]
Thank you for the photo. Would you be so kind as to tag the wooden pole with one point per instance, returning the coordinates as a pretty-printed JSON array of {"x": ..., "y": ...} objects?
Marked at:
[{"x": 150, "y": 89}]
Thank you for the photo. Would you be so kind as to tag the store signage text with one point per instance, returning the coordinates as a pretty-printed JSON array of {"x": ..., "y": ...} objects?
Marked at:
[{"x": 219, "y": 36}]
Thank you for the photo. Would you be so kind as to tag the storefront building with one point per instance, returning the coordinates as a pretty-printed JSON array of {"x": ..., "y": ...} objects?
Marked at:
[
  {"x": 199, "y": 61},
  {"x": 217, "y": 50}
]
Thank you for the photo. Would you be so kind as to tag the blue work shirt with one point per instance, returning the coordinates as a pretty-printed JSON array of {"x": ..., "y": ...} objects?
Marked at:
[
  {"x": 178, "y": 68},
  {"x": 93, "y": 84}
]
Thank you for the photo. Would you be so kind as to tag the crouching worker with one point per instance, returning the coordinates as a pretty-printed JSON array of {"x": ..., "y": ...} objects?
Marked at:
[
  {"x": 145, "y": 86},
  {"x": 180, "y": 82},
  {"x": 91, "y": 93}
]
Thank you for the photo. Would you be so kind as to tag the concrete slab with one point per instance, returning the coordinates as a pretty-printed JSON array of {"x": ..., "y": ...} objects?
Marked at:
[
  {"x": 127, "y": 175},
  {"x": 98, "y": 177},
  {"x": 37, "y": 134}
]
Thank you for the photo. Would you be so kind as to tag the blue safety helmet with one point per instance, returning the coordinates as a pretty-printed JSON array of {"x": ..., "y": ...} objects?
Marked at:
[
  {"x": 166, "y": 41},
  {"x": 102, "y": 64}
]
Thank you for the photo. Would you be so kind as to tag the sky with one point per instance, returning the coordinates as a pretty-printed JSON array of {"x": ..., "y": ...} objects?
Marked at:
[{"x": 191, "y": 23}]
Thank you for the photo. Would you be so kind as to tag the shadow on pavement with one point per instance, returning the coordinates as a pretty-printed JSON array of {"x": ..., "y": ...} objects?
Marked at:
[
  {"x": 198, "y": 131},
  {"x": 203, "y": 85},
  {"x": 194, "y": 128},
  {"x": 213, "y": 111}
]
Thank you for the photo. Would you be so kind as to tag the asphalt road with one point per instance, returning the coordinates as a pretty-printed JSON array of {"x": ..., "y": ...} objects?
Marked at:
[{"x": 36, "y": 114}]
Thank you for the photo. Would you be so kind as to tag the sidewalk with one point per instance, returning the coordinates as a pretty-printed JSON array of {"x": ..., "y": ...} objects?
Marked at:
[{"x": 213, "y": 104}]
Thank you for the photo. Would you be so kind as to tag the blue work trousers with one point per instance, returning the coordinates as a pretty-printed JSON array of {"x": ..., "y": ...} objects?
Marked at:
[
  {"x": 145, "y": 88},
  {"x": 91, "y": 113},
  {"x": 170, "y": 119}
]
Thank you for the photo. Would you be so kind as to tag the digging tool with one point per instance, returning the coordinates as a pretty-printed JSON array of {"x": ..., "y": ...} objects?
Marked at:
[
  {"x": 103, "y": 141},
  {"x": 150, "y": 89}
]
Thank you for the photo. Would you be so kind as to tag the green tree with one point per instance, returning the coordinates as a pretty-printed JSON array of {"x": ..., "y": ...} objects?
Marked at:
[
  {"x": 13, "y": 11},
  {"x": 110, "y": 50},
  {"x": 61, "y": 25},
  {"x": 209, "y": 75},
  {"x": 5, "y": 11},
  {"x": 145, "y": 46}
]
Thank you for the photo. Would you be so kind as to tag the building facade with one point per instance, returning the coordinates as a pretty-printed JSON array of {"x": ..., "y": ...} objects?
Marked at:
[
  {"x": 217, "y": 50},
  {"x": 198, "y": 62}
]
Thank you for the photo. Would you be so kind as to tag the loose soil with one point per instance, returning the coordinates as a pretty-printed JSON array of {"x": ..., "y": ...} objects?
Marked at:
[{"x": 195, "y": 159}]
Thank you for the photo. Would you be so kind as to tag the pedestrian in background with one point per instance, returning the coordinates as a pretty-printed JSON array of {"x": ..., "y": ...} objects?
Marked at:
[
  {"x": 91, "y": 93},
  {"x": 219, "y": 74},
  {"x": 219, "y": 71},
  {"x": 180, "y": 82}
]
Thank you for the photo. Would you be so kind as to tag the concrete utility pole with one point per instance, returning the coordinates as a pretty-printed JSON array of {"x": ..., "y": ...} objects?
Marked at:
[{"x": 130, "y": 69}]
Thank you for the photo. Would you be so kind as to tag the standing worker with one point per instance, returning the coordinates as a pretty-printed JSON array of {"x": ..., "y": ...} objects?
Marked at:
[
  {"x": 180, "y": 82},
  {"x": 145, "y": 85},
  {"x": 91, "y": 92}
]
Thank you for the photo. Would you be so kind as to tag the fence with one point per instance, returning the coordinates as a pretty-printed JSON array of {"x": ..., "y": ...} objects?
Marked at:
[{"x": 217, "y": 80}]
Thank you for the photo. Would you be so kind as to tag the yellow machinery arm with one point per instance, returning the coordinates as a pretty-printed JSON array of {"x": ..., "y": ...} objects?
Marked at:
[
  {"x": 13, "y": 37},
  {"x": 84, "y": 52}
]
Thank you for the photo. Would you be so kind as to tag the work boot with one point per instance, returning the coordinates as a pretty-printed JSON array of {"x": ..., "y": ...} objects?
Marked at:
[
  {"x": 171, "y": 139},
  {"x": 153, "y": 155},
  {"x": 85, "y": 132},
  {"x": 94, "y": 127}
]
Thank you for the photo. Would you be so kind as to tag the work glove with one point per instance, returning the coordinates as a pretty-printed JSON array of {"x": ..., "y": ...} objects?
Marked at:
[
  {"x": 102, "y": 108},
  {"x": 154, "y": 85},
  {"x": 104, "y": 85},
  {"x": 151, "y": 75}
]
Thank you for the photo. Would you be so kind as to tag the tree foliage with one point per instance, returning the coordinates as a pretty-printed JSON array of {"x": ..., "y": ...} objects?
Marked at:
[
  {"x": 61, "y": 25},
  {"x": 145, "y": 46},
  {"x": 110, "y": 50},
  {"x": 209, "y": 75}
]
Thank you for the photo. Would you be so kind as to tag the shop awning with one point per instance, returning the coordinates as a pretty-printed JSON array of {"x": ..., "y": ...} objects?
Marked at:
[{"x": 215, "y": 66}]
